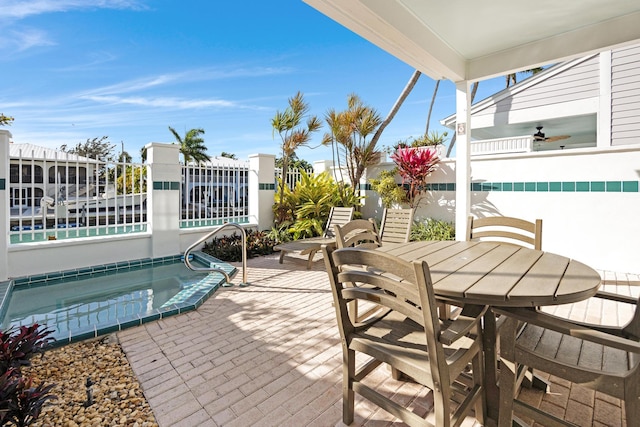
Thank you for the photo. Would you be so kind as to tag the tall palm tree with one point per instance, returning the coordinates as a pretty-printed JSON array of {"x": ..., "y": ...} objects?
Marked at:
[{"x": 192, "y": 145}]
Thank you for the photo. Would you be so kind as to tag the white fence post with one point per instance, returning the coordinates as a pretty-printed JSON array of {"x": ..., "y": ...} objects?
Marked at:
[
  {"x": 5, "y": 136},
  {"x": 262, "y": 189},
  {"x": 163, "y": 198}
]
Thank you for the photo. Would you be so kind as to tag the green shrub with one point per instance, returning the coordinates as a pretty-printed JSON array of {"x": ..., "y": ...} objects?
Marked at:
[
  {"x": 432, "y": 229},
  {"x": 309, "y": 203},
  {"x": 229, "y": 248}
]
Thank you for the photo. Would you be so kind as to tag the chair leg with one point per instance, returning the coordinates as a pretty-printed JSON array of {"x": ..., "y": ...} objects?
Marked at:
[
  {"x": 508, "y": 373},
  {"x": 348, "y": 373},
  {"x": 631, "y": 406},
  {"x": 310, "y": 261},
  {"x": 282, "y": 253},
  {"x": 478, "y": 379}
]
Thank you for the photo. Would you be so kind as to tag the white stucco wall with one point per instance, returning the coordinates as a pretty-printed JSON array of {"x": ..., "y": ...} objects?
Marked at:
[{"x": 599, "y": 228}]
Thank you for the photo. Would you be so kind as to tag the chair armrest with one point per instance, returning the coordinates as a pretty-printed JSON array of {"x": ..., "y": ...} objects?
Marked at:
[
  {"x": 616, "y": 297},
  {"x": 466, "y": 322},
  {"x": 534, "y": 317}
]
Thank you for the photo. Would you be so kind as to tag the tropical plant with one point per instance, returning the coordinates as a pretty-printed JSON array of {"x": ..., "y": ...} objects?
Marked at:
[
  {"x": 432, "y": 229},
  {"x": 192, "y": 145},
  {"x": 20, "y": 402},
  {"x": 288, "y": 124},
  {"x": 19, "y": 345},
  {"x": 5, "y": 120},
  {"x": 415, "y": 164},
  {"x": 229, "y": 248},
  {"x": 229, "y": 155},
  {"x": 132, "y": 181},
  {"x": 385, "y": 185},
  {"x": 309, "y": 203},
  {"x": 350, "y": 137}
]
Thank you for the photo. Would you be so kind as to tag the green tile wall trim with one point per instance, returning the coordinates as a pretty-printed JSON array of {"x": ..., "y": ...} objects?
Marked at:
[
  {"x": 166, "y": 185},
  {"x": 557, "y": 186},
  {"x": 3, "y": 184},
  {"x": 266, "y": 186}
]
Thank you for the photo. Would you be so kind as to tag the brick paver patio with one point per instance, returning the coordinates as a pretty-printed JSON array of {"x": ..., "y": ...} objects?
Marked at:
[{"x": 269, "y": 355}]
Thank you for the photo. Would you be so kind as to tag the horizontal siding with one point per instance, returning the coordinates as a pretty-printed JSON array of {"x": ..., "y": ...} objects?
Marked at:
[
  {"x": 579, "y": 82},
  {"x": 625, "y": 96}
]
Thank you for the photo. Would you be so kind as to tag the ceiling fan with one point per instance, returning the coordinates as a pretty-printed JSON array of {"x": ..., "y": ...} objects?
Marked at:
[{"x": 539, "y": 136}]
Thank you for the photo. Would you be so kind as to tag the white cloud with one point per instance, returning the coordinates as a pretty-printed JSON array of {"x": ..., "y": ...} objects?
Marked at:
[
  {"x": 183, "y": 77},
  {"x": 24, "y": 39},
  {"x": 21, "y": 9},
  {"x": 164, "y": 102}
]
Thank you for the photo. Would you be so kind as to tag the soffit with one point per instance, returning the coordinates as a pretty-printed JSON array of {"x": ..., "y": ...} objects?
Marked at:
[{"x": 471, "y": 40}]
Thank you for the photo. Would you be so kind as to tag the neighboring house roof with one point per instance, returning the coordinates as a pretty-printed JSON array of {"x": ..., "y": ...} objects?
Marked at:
[
  {"x": 222, "y": 161},
  {"x": 42, "y": 153}
]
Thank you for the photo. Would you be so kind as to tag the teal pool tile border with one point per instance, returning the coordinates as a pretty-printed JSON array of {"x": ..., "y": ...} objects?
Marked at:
[
  {"x": 180, "y": 303},
  {"x": 559, "y": 186}
]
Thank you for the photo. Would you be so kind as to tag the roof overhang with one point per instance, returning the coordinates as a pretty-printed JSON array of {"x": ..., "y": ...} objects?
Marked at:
[{"x": 467, "y": 40}]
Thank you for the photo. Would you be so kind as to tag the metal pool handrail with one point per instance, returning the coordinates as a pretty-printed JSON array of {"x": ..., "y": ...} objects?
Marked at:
[{"x": 219, "y": 270}]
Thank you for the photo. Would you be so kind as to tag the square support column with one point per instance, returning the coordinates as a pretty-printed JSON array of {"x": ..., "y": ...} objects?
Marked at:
[
  {"x": 5, "y": 137},
  {"x": 163, "y": 198},
  {"x": 463, "y": 158},
  {"x": 262, "y": 189}
]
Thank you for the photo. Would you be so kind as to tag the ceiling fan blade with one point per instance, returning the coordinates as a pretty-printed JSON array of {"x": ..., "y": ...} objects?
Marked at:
[{"x": 557, "y": 138}]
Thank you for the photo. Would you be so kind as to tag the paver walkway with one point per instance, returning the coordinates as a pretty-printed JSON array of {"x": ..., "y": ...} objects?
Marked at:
[{"x": 269, "y": 355}]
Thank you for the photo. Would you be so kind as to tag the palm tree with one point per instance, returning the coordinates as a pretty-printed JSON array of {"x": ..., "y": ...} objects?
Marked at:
[
  {"x": 192, "y": 145},
  {"x": 348, "y": 135},
  {"x": 293, "y": 134}
]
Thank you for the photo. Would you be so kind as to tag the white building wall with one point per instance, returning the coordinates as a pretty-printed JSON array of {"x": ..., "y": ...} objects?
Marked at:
[{"x": 588, "y": 199}]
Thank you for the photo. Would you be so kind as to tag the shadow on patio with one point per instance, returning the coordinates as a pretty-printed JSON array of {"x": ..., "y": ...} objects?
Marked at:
[{"x": 269, "y": 355}]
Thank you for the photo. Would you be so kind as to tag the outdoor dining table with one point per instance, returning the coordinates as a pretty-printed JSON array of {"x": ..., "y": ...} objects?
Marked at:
[{"x": 499, "y": 275}]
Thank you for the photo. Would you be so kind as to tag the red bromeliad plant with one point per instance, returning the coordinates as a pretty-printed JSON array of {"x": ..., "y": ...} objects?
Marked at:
[{"x": 415, "y": 164}]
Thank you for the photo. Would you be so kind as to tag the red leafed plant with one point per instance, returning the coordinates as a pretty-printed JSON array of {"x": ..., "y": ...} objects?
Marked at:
[
  {"x": 21, "y": 402},
  {"x": 415, "y": 164}
]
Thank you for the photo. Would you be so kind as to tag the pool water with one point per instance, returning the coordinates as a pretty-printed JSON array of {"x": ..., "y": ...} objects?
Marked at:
[{"x": 90, "y": 302}]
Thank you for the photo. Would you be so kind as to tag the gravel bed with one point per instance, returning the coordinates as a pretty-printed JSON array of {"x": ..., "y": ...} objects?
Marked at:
[{"x": 117, "y": 396}]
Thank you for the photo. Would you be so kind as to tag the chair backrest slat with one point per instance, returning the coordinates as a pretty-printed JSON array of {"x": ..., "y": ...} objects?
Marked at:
[
  {"x": 396, "y": 225},
  {"x": 338, "y": 215},
  {"x": 506, "y": 229},
  {"x": 358, "y": 232}
]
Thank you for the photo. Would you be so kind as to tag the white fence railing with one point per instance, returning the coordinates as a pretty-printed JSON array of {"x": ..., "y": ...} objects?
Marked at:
[
  {"x": 212, "y": 194},
  {"x": 64, "y": 196},
  {"x": 292, "y": 177},
  {"x": 515, "y": 144}
]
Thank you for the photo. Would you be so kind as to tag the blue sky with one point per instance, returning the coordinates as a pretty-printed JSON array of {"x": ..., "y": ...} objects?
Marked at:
[{"x": 77, "y": 69}]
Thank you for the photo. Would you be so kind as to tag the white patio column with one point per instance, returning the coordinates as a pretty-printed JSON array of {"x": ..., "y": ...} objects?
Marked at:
[
  {"x": 463, "y": 158},
  {"x": 5, "y": 137},
  {"x": 163, "y": 198},
  {"x": 262, "y": 189}
]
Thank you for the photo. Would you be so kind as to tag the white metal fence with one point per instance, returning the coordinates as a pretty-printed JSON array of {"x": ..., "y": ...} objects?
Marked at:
[
  {"x": 62, "y": 195},
  {"x": 214, "y": 193},
  {"x": 293, "y": 176}
]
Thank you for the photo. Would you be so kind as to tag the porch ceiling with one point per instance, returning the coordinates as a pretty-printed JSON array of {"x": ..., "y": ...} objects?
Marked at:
[{"x": 469, "y": 40}]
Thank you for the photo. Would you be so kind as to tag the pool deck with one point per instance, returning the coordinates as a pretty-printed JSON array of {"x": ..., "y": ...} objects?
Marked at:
[{"x": 269, "y": 355}]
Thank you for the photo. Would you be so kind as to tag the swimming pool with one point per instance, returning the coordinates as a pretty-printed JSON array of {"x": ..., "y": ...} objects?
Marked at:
[{"x": 85, "y": 303}]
